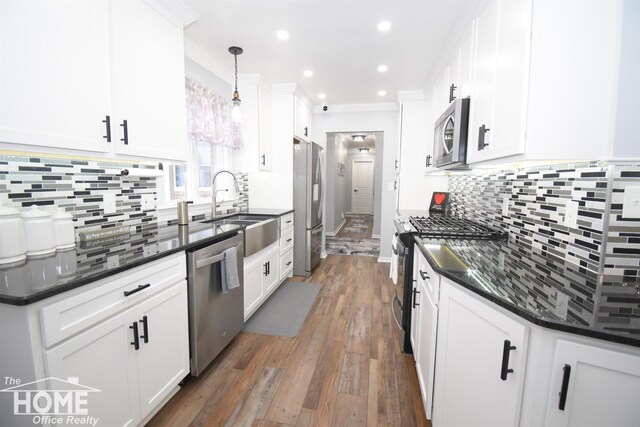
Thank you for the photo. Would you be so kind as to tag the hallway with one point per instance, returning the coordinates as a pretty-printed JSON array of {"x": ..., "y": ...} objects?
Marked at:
[
  {"x": 344, "y": 367},
  {"x": 354, "y": 238}
]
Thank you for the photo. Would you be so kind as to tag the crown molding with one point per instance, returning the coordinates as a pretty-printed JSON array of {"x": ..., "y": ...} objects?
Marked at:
[
  {"x": 283, "y": 89},
  {"x": 174, "y": 10},
  {"x": 411, "y": 95},
  {"x": 199, "y": 55},
  {"x": 357, "y": 108},
  {"x": 249, "y": 79}
]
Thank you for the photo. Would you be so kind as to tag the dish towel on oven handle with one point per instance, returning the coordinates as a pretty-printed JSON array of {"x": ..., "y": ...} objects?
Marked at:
[{"x": 393, "y": 269}]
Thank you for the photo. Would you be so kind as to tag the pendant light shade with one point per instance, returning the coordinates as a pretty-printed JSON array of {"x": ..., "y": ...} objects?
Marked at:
[{"x": 236, "y": 113}]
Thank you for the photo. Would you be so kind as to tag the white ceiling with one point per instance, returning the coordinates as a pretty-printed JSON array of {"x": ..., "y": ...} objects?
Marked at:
[{"x": 337, "y": 40}]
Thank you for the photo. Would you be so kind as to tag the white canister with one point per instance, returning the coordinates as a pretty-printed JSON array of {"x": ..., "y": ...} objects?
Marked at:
[
  {"x": 38, "y": 225},
  {"x": 13, "y": 245},
  {"x": 63, "y": 229}
]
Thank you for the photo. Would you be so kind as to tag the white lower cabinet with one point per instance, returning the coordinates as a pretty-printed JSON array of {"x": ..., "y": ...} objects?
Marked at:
[
  {"x": 480, "y": 362},
  {"x": 593, "y": 386},
  {"x": 134, "y": 359},
  {"x": 102, "y": 358},
  {"x": 424, "y": 326},
  {"x": 261, "y": 277}
]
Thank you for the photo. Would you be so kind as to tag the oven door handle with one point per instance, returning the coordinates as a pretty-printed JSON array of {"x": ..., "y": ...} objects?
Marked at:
[
  {"x": 213, "y": 259},
  {"x": 393, "y": 312}
]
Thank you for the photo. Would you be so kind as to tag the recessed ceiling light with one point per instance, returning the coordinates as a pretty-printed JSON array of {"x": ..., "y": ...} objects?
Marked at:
[
  {"x": 384, "y": 25},
  {"x": 382, "y": 93},
  {"x": 322, "y": 95},
  {"x": 308, "y": 73},
  {"x": 283, "y": 35},
  {"x": 358, "y": 138},
  {"x": 382, "y": 68}
]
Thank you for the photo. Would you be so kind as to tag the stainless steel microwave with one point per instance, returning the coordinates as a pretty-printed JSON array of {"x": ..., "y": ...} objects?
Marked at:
[{"x": 450, "y": 135}]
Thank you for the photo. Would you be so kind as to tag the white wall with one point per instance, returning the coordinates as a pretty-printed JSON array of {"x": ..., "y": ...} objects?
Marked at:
[
  {"x": 336, "y": 187},
  {"x": 370, "y": 121}
]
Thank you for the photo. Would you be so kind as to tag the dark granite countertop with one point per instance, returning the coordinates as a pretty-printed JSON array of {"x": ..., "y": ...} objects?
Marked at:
[
  {"x": 528, "y": 282},
  {"x": 39, "y": 278}
]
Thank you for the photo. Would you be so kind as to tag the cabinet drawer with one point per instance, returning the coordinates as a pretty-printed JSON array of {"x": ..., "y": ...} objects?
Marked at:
[
  {"x": 286, "y": 240},
  {"x": 286, "y": 222},
  {"x": 286, "y": 264},
  {"x": 74, "y": 313},
  {"x": 429, "y": 277}
]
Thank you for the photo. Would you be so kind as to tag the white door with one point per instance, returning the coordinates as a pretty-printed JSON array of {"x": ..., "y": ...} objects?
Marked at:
[
  {"x": 163, "y": 358},
  {"x": 477, "y": 382},
  {"x": 102, "y": 358},
  {"x": 54, "y": 84},
  {"x": 148, "y": 78},
  {"x": 362, "y": 186},
  {"x": 600, "y": 387}
]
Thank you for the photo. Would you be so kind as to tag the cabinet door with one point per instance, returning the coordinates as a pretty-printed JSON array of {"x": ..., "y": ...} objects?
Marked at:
[
  {"x": 272, "y": 278},
  {"x": 511, "y": 79},
  {"x": 601, "y": 387},
  {"x": 302, "y": 120},
  {"x": 415, "y": 309},
  {"x": 470, "y": 357},
  {"x": 253, "y": 290},
  {"x": 465, "y": 70},
  {"x": 163, "y": 358},
  {"x": 102, "y": 358},
  {"x": 265, "y": 160},
  {"x": 54, "y": 74},
  {"x": 481, "y": 108},
  {"x": 426, "y": 354},
  {"x": 148, "y": 78}
]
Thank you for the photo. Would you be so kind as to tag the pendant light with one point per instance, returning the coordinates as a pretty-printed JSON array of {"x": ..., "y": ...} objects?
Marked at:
[{"x": 236, "y": 113}]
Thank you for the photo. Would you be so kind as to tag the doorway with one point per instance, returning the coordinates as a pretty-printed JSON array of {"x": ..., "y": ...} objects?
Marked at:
[{"x": 354, "y": 180}]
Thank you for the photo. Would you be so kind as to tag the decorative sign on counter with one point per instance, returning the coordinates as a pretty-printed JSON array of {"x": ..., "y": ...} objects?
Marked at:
[
  {"x": 439, "y": 202},
  {"x": 88, "y": 235}
]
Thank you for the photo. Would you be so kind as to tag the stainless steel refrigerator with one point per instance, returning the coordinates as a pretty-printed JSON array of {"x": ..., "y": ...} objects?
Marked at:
[{"x": 308, "y": 188}]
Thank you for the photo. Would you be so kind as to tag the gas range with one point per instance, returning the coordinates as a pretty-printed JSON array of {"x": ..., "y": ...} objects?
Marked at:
[
  {"x": 448, "y": 227},
  {"x": 438, "y": 226}
]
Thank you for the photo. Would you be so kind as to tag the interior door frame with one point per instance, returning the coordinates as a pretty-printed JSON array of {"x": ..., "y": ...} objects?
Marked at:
[{"x": 372, "y": 186}]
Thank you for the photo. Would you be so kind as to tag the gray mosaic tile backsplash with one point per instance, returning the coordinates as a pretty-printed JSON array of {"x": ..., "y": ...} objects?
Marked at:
[
  {"x": 78, "y": 186},
  {"x": 601, "y": 252}
]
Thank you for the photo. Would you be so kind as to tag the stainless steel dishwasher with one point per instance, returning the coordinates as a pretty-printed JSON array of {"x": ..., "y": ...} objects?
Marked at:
[{"x": 215, "y": 318}]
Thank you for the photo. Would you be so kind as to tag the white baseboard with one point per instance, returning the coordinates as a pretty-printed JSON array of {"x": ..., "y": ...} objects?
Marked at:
[
  {"x": 384, "y": 259},
  {"x": 323, "y": 254},
  {"x": 333, "y": 234},
  {"x": 375, "y": 236}
]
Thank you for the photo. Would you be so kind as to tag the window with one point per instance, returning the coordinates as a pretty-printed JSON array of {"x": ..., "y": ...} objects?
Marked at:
[{"x": 212, "y": 138}]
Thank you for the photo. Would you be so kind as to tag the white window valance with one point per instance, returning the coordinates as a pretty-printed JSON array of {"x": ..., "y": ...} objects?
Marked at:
[{"x": 209, "y": 117}]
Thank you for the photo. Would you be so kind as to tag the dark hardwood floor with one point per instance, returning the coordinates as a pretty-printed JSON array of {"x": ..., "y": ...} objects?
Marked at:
[{"x": 344, "y": 368}]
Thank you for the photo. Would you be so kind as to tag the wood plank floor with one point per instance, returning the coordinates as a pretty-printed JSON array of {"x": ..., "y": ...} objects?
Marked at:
[{"x": 344, "y": 368}]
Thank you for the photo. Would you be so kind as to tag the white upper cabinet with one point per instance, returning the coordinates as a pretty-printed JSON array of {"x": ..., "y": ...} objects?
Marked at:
[
  {"x": 43, "y": 99},
  {"x": 498, "y": 99},
  {"x": 265, "y": 160},
  {"x": 92, "y": 76},
  {"x": 147, "y": 63},
  {"x": 302, "y": 120}
]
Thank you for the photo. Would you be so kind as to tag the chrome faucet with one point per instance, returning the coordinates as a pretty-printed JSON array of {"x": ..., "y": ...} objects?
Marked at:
[{"x": 214, "y": 203}]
